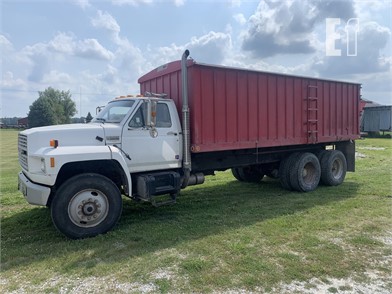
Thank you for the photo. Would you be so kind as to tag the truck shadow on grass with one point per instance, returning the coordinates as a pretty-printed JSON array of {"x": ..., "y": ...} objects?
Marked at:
[{"x": 29, "y": 236}]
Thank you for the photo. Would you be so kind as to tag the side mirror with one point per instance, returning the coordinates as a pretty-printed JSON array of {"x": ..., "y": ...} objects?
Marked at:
[{"x": 152, "y": 118}]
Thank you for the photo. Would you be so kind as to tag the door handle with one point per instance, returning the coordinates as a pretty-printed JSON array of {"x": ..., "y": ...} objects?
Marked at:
[{"x": 172, "y": 134}]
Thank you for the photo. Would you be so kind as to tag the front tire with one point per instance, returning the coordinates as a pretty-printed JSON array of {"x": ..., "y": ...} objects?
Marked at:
[{"x": 86, "y": 205}]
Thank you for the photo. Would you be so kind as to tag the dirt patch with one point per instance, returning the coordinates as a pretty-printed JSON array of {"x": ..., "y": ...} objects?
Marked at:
[
  {"x": 375, "y": 285},
  {"x": 371, "y": 148},
  {"x": 359, "y": 155}
]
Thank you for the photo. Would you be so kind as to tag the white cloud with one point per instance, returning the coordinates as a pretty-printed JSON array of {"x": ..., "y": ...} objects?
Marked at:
[
  {"x": 131, "y": 2},
  {"x": 136, "y": 3},
  {"x": 62, "y": 43},
  {"x": 129, "y": 60},
  {"x": 42, "y": 57},
  {"x": 9, "y": 81},
  {"x": 82, "y": 3},
  {"x": 5, "y": 44},
  {"x": 60, "y": 79},
  {"x": 179, "y": 2},
  {"x": 67, "y": 44},
  {"x": 234, "y": 3},
  {"x": 91, "y": 48},
  {"x": 287, "y": 27},
  {"x": 111, "y": 75},
  {"x": 372, "y": 37},
  {"x": 105, "y": 21},
  {"x": 240, "y": 18},
  {"x": 210, "y": 48},
  {"x": 372, "y": 9}
]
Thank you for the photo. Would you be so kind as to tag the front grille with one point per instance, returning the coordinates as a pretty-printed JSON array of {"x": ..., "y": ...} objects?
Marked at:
[{"x": 22, "y": 150}]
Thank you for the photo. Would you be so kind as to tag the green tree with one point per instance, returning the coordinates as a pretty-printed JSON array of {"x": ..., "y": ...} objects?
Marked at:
[
  {"x": 89, "y": 117},
  {"x": 52, "y": 107}
]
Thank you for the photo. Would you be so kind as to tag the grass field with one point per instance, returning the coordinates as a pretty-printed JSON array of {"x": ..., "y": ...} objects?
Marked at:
[{"x": 223, "y": 236}]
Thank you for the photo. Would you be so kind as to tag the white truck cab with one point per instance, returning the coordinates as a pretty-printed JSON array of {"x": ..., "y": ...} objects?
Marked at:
[{"x": 132, "y": 147}]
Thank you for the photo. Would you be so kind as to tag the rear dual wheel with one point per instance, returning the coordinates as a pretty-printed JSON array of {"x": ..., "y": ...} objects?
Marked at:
[
  {"x": 303, "y": 171},
  {"x": 300, "y": 172}
]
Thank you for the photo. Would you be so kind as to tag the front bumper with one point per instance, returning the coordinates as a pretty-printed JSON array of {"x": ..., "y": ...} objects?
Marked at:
[{"x": 34, "y": 194}]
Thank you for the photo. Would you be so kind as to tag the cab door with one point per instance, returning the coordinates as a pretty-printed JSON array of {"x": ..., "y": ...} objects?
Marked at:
[{"x": 153, "y": 150}]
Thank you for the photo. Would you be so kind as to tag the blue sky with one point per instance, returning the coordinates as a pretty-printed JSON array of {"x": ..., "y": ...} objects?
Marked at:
[{"x": 98, "y": 49}]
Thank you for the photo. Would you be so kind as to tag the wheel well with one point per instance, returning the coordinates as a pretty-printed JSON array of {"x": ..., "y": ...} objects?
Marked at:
[{"x": 108, "y": 168}]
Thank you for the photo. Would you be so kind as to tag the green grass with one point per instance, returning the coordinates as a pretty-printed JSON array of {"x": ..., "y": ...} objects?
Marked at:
[{"x": 223, "y": 235}]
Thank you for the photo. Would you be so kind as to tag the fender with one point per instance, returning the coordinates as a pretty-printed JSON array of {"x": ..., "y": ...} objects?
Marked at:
[
  {"x": 55, "y": 158},
  {"x": 118, "y": 156}
]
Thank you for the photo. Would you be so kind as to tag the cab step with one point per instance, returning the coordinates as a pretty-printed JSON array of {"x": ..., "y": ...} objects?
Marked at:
[{"x": 157, "y": 203}]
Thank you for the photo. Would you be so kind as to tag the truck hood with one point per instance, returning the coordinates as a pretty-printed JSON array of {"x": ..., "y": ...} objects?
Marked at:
[{"x": 73, "y": 135}]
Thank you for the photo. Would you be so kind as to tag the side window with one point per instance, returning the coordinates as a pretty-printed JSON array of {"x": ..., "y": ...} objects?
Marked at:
[
  {"x": 163, "y": 116},
  {"x": 138, "y": 119}
]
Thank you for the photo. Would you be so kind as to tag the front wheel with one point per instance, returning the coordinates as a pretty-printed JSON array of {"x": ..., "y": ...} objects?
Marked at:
[{"x": 86, "y": 205}]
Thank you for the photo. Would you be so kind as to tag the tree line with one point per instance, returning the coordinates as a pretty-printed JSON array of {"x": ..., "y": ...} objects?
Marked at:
[{"x": 53, "y": 107}]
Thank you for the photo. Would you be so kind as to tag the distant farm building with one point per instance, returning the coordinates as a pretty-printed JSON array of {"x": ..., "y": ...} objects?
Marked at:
[
  {"x": 376, "y": 119},
  {"x": 23, "y": 122}
]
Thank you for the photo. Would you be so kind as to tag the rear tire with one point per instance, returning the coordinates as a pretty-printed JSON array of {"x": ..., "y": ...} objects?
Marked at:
[
  {"x": 250, "y": 174},
  {"x": 86, "y": 205},
  {"x": 333, "y": 168},
  {"x": 236, "y": 174},
  {"x": 306, "y": 172},
  {"x": 284, "y": 170},
  {"x": 320, "y": 154},
  {"x": 273, "y": 174}
]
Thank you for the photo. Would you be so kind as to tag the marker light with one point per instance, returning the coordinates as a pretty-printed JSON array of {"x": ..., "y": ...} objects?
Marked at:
[
  {"x": 52, "y": 162},
  {"x": 54, "y": 143}
]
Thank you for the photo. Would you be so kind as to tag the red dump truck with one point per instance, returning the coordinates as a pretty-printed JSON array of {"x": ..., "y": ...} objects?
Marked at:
[
  {"x": 194, "y": 119},
  {"x": 261, "y": 123}
]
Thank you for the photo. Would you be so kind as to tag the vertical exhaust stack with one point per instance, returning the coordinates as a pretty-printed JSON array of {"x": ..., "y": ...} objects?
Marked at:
[{"x": 185, "y": 120}]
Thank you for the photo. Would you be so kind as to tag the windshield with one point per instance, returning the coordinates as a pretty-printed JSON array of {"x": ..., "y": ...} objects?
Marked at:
[{"x": 114, "y": 112}]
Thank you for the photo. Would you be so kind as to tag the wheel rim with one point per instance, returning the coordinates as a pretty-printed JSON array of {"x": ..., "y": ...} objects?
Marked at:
[
  {"x": 309, "y": 173},
  {"x": 337, "y": 168},
  {"x": 88, "y": 208}
]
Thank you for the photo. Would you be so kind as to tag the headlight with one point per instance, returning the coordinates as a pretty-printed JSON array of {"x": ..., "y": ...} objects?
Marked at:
[{"x": 43, "y": 165}]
